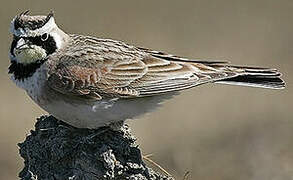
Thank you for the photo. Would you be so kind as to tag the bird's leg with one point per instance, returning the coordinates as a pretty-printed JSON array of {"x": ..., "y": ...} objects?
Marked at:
[{"x": 116, "y": 126}]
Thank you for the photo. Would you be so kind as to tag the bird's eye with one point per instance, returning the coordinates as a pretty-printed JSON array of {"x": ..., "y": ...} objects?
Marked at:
[{"x": 44, "y": 37}]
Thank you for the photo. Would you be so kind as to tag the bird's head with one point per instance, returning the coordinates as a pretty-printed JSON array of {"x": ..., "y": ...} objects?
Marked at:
[{"x": 34, "y": 39}]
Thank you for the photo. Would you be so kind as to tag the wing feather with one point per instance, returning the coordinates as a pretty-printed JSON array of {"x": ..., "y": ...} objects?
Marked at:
[
  {"x": 146, "y": 77},
  {"x": 112, "y": 68}
]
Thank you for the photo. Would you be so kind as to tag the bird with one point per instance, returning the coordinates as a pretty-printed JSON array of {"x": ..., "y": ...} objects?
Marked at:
[{"x": 90, "y": 82}]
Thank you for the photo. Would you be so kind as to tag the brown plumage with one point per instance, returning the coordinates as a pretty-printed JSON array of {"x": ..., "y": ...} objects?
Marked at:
[
  {"x": 112, "y": 68},
  {"x": 91, "y": 82}
]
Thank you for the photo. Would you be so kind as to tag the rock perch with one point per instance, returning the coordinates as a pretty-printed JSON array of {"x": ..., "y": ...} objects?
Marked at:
[{"x": 55, "y": 150}]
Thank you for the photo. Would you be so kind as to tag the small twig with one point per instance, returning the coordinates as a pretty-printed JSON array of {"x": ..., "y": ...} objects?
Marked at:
[
  {"x": 33, "y": 176},
  {"x": 148, "y": 155},
  {"x": 47, "y": 129},
  {"x": 186, "y": 175},
  {"x": 156, "y": 164},
  {"x": 98, "y": 133}
]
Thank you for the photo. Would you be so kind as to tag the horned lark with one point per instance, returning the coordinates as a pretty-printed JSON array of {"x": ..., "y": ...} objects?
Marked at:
[{"x": 90, "y": 82}]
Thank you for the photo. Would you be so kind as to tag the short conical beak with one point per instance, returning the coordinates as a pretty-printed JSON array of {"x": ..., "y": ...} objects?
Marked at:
[{"x": 21, "y": 44}]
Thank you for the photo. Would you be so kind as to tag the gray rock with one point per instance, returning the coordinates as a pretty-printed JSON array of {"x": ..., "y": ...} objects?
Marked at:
[{"x": 55, "y": 150}]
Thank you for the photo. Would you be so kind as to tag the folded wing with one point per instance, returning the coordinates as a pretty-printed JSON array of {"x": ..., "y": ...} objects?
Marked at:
[{"x": 153, "y": 74}]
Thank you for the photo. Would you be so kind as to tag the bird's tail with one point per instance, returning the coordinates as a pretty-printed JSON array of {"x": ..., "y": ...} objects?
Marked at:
[{"x": 255, "y": 77}]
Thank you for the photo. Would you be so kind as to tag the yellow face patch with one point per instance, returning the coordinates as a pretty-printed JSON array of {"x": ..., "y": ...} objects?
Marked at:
[{"x": 30, "y": 54}]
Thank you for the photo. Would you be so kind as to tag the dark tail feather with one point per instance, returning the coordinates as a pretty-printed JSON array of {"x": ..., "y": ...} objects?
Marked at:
[{"x": 256, "y": 77}]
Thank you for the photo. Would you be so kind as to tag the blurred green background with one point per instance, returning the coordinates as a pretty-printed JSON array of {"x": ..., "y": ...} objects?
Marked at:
[{"x": 217, "y": 132}]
